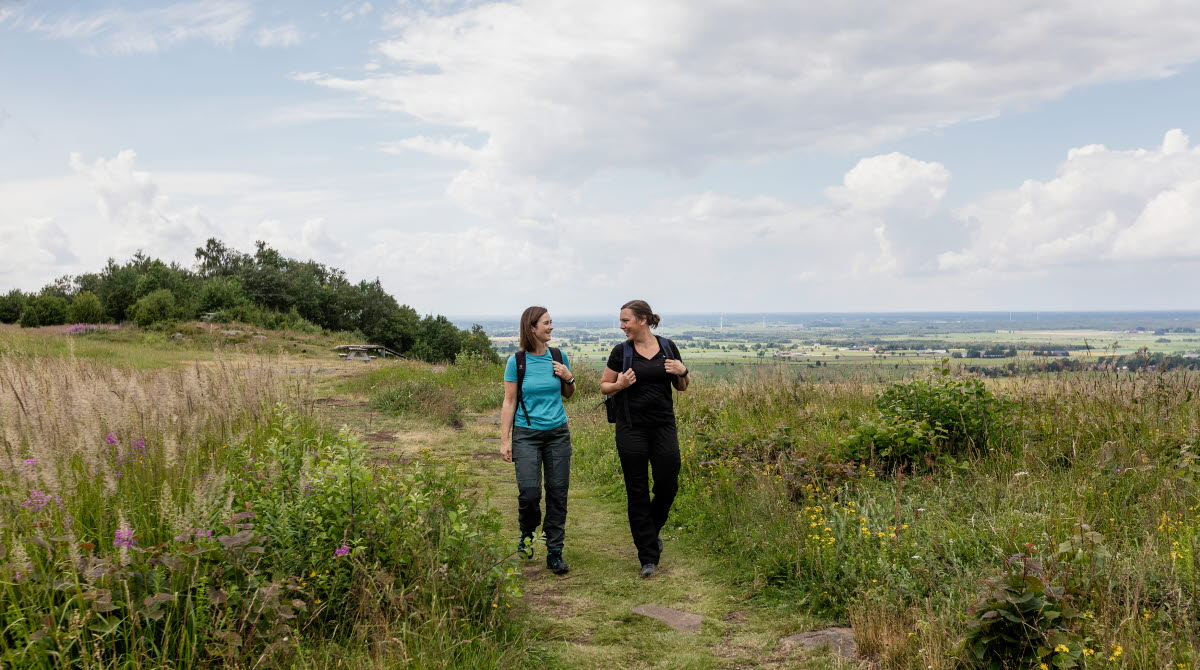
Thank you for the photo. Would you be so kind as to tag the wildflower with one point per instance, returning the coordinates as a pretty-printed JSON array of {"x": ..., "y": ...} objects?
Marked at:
[
  {"x": 1089, "y": 652},
  {"x": 1062, "y": 648},
  {"x": 1021, "y": 474},
  {"x": 111, "y": 439},
  {"x": 30, "y": 461},
  {"x": 341, "y": 551},
  {"x": 123, "y": 538},
  {"x": 39, "y": 499},
  {"x": 1043, "y": 666}
]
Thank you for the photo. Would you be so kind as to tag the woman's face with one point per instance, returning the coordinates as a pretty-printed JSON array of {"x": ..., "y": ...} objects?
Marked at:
[
  {"x": 630, "y": 323},
  {"x": 543, "y": 328}
]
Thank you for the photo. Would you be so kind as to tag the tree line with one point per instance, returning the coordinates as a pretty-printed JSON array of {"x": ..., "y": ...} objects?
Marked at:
[{"x": 264, "y": 289}]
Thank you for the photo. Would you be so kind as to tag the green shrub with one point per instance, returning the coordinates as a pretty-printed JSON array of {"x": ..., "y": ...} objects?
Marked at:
[
  {"x": 11, "y": 306},
  {"x": 922, "y": 421},
  {"x": 86, "y": 308},
  {"x": 44, "y": 310},
  {"x": 155, "y": 307}
]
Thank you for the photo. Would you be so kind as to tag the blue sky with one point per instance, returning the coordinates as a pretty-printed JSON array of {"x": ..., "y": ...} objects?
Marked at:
[{"x": 480, "y": 156}]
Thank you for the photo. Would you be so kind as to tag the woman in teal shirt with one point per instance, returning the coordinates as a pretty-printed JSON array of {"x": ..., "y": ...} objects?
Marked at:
[{"x": 534, "y": 434}]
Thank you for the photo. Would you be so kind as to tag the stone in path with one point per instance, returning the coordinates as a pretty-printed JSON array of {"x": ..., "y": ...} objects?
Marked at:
[
  {"x": 677, "y": 619},
  {"x": 839, "y": 640}
]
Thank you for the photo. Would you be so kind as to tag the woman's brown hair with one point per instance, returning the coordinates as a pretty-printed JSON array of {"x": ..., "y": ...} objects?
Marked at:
[
  {"x": 529, "y": 319},
  {"x": 641, "y": 309}
]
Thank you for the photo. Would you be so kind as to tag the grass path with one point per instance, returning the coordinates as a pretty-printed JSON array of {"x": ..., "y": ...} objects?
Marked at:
[{"x": 584, "y": 619}]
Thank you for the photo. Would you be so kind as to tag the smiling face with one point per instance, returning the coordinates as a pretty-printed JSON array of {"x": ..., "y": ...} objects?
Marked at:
[
  {"x": 544, "y": 327},
  {"x": 631, "y": 324}
]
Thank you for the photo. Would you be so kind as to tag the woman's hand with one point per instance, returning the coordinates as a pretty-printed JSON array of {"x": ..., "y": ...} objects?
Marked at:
[
  {"x": 675, "y": 367},
  {"x": 563, "y": 372},
  {"x": 506, "y": 450},
  {"x": 626, "y": 379}
]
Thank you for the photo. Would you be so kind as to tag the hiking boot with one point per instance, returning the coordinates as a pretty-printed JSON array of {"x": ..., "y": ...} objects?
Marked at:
[
  {"x": 525, "y": 546},
  {"x": 649, "y": 569},
  {"x": 660, "y": 545},
  {"x": 555, "y": 562}
]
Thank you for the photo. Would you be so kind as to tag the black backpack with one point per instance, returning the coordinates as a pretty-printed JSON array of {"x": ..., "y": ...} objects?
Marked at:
[
  {"x": 556, "y": 354},
  {"x": 610, "y": 401}
]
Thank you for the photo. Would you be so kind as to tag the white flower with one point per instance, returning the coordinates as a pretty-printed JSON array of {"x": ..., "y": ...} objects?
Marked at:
[{"x": 1020, "y": 474}]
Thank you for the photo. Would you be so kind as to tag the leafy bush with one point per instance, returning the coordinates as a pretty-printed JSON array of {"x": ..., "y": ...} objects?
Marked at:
[
  {"x": 44, "y": 310},
  {"x": 11, "y": 306},
  {"x": 155, "y": 307},
  {"x": 86, "y": 308},
  {"x": 923, "y": 420},
  {"x": 894, "y": 441}
]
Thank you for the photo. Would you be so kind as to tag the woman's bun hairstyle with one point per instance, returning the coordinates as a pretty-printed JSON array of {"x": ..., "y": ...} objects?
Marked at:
[{"x": 641, "y": 309}]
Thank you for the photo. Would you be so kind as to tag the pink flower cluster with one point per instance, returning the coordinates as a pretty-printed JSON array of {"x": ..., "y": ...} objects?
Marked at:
[{"x": 81, "y": 328}]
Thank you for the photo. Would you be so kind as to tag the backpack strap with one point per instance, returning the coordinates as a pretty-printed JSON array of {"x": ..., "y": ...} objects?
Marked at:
[
  {"x": 667, "y": 346},
  {"x": 626, "y": 364},
  {"x": 521, "y": 384},
  {"x": 557, "y": 355}
]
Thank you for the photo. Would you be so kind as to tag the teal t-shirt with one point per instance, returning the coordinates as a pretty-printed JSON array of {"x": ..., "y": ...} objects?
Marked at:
[{"x": 542, "y": 391}]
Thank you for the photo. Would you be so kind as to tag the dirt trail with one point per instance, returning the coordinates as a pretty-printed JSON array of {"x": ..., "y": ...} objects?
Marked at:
[{"x": 585, "y": 619}]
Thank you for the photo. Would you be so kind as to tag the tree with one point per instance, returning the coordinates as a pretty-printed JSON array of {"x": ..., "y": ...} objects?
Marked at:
[
  {"x": 439, "y": 340},
  {"x": 398, "y": 331},
  {"x": 154, "y": 308},
  {"x": 477, "y": 343},
  {"x": 11, "y": 306},
  {"x": 86, "y": 308},
  {"x": 218, "y": 293},
  {"x": 44, "y": 310}
]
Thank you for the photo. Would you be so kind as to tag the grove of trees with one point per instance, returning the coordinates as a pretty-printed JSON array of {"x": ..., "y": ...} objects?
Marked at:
[{"x": 262, "y": 288}]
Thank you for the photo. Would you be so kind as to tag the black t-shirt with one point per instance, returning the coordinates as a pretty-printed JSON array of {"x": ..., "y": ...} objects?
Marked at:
[{"x": 650, "y": 396}]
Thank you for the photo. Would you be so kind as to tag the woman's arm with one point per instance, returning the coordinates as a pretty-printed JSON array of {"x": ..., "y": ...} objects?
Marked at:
[
  {"x": 507, "y": 412},
  {"x": 614, "y": 381},
  {"x": 676, "y": 367},
  {"x": 564, "y": 373}
]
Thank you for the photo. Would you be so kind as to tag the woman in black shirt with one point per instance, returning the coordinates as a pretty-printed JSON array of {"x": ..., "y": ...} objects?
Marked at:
[{"x": 646, "y": 435}]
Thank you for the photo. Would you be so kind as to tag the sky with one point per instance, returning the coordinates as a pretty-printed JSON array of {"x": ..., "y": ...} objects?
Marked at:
[{"x": 705, "y": 155}]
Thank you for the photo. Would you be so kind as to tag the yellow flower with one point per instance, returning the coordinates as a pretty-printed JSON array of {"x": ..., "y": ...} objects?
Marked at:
[
  {"x": 1043, "y": 666},
  {"x": 1061, "y": 648},
  {"x": 1089, "y": 652}
]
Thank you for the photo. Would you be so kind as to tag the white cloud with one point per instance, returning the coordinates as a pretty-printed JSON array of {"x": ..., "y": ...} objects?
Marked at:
[
  {"x": 442, "y": 147},
  {"x": 1103, "y": 206},
  {"x": 130, "y": 200},
  {"x": 151, "y": 30},
  {"x": 285, "y": 35},
  {"x": 562, "y": 89},
  {"x": 893, "y": 181},
  {"x": 354, "y": 10}
]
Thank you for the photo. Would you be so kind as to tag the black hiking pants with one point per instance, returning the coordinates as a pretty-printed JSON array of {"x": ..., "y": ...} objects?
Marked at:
[
  {"x": 646, "y": 449},
  {"x": 535, "y": 452}
]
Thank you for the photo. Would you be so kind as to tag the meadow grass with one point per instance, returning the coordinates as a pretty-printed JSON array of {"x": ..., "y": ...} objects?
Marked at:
[
  {"x": 903, "y": 555},
  {"x": 190, "y": 517}
]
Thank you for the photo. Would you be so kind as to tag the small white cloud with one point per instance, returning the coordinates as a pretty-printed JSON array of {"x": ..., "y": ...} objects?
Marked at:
[
  {"x": 441, "y": 147},
  {"x": 285, "y": 35},
  {"x": 150, "y": 30},
  {"x": 354, "y": 10},
  {"x": 890, "y": 182}
]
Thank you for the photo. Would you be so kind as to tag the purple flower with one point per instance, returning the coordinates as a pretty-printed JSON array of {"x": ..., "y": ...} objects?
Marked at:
[
  {"x": 123, "y": 538},
  {"x": 341, "y": 551},
  {"x": 39, "y": 499},
  {"x": 110, "y": 438}
]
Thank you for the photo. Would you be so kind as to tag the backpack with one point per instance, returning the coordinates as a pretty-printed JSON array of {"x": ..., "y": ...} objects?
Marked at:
[
  {"x": 610, "y": 401},
  {"x": 556, "y": 354}
]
